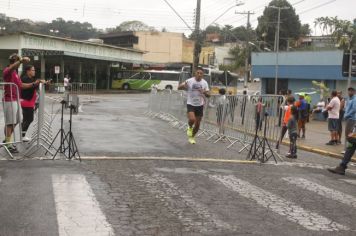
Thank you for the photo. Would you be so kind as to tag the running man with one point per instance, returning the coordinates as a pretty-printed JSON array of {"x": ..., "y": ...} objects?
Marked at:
[{"x": 197, "y": 88}]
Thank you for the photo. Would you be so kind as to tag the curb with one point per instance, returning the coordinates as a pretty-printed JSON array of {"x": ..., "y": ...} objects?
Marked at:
[{"x": 321, "y": 152}]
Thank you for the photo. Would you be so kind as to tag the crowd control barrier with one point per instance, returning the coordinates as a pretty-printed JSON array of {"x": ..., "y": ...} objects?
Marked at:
[
  {"x": 234, "y": 121},
  {"x": 82, "y": 88}
]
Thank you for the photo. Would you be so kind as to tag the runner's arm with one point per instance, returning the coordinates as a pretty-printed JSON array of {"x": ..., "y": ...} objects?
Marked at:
[{"x": 183, "y": 86}]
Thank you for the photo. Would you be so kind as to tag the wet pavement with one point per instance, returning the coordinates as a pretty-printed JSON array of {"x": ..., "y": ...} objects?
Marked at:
[
  {"x": 110, "y": 197},
  {"x": 168, "y": 197}
]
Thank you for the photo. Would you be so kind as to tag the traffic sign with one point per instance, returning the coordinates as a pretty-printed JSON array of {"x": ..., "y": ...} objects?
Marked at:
[{"x": 57, "y": 70}]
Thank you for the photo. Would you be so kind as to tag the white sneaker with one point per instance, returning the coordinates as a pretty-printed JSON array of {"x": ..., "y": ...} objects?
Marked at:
[{"x": 26, "y": 139}]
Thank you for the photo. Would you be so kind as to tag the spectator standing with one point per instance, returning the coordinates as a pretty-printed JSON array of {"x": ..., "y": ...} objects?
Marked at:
[
  {"x": 350, "y": 114},
  {"x": 341, "y": 115},
  {"x": 66, "y": 82},
  {"x": 308, "y": 99},
  {"x": 302, "y": 106},
  {"x": 28, "y": 99},
  {"x": 12, "y": 110},
  {"x": 333, "y": 109},
  {"x": 292, "y": 131},
  {"x": 287, "y": 114}
]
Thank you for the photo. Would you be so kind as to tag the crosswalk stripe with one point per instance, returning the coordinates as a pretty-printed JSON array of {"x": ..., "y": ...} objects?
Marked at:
[
  {"x": 350, "y": 181},
  {"x": 322, "y": 190},
  {"x": 78, "y": 212},
  {"x": 168, "y": 192},
  {"x": 292, "y": 212}
]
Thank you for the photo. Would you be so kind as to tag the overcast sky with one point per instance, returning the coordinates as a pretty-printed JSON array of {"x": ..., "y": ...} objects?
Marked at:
[{"x": 109, "y": 13}]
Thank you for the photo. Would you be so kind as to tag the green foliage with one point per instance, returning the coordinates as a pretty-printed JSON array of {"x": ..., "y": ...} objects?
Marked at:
[
  {"x": 239, "y": 55},
  {"x": 228, "y": 33},
  {"x": 343, "y": 32},
  {"x": 71, "y": 29},
  {"x": 290, "y": 26},
  {"x": 305, "y": 30},
  {"x": 133, "y": 25}
]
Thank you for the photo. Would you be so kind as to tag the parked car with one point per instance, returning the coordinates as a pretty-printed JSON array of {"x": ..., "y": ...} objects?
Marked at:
[{"x": 256, "y": 80}]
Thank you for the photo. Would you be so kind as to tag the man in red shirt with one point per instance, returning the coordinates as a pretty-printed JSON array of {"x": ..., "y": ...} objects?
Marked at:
[{"x": 12, "y": 110}]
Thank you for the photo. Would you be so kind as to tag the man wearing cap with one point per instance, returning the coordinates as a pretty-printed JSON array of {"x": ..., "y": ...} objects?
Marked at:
[
  {"x": 12, "y": 110},
  {"x": 350, "y": 118}
]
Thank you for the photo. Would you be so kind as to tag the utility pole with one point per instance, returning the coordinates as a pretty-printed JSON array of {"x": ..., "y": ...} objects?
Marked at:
[
  {"x": 197, "y": 47},
  {"x": 248, "y": 26},
  {"x": 350, "y": 70},
  {"x": 277, "y": 45}
]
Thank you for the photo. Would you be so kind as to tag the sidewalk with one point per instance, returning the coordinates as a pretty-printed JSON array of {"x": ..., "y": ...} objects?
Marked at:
[{"x": 317, "y": 135}]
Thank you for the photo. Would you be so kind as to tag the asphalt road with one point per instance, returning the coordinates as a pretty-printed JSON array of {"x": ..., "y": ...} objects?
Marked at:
[{"x": 105, "y": 196}]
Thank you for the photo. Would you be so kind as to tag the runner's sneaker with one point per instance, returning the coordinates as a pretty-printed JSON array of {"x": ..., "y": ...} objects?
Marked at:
[
  {"x": 191, "y": 140},
  {"x": 190, "y": 132},
  {"x": 26, "y": 139}
]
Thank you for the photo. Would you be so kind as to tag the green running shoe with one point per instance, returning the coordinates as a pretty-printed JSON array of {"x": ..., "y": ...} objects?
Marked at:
[
  {"x": 191, "y": 140},
  {"x": 190, "y": 132}
]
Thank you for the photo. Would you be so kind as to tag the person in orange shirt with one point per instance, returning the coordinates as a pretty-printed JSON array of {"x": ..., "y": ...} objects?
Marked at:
[{"x": 287, "y": 115}]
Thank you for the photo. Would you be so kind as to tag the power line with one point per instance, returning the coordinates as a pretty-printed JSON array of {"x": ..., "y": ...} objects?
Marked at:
[
  {"x": 178, "y": 14},
  {"x": 316, "y": 7},
  {"x": 237, "y": 4}
]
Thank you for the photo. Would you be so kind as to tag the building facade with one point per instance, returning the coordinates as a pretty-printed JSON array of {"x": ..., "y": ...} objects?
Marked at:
[
  {"x": 159, "y": 47},
  {"x": 83, "y": 61},
  {"x": 297, "y": 70}
]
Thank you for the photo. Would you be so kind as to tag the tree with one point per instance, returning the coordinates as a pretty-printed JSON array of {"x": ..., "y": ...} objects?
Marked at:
[
  {"x": 290, "y": 26},
  {"x": 343, "y": 32},
  {"x": 134, "y": 25},
  {"x": 305, "y": 30}
]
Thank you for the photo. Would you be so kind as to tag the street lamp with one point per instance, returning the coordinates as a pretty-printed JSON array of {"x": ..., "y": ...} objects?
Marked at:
[{"x": 258, "y": 48}]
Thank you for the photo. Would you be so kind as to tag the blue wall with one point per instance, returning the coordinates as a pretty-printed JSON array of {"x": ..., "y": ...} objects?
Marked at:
[
  {"x": 311, "y": 72},
  {"x": 296, "y": 85},
  {"x": 310, "y": 65}
]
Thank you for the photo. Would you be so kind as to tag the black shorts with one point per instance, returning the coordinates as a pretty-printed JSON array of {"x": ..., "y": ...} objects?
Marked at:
[
  {"x": 333, "y": 124},
  {"x": 198, "y": 111}
]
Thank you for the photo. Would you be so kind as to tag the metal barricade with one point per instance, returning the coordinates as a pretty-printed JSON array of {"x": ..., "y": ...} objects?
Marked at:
[
  {"x": 82, "y": 88},
  {"x": 11, "y": 115},
  {"x": 235, "y": 120},
  {"x": 41, "y": 137}
]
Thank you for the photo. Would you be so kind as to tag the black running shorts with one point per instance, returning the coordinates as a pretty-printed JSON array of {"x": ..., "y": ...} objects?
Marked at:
[{"x": 198, "y": 111}]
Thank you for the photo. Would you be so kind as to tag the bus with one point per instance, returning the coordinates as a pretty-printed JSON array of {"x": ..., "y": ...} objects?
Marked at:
[
  {"x": 221, "y": 79},
  {"x": 146, "y": 79}
]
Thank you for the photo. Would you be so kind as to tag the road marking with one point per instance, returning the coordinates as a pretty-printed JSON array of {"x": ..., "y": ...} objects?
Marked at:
[
  {"x": 78, "y": 212},
  {"x": 189, "y": 159},
  {"x": 293, "y": 212},
  {"x": 323, "y": 191},
  {"x": 168, "y": 192},
  {"x": 182, "y": 170}
]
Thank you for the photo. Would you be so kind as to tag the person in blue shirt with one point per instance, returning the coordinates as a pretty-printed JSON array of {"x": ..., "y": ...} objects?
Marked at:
[
  {"x": 302, "y": 106},
  {"x": 350, "y": 117}
]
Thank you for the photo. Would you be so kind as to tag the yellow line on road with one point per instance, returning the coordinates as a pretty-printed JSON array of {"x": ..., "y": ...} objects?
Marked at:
[{"x": 171, "y": 159}]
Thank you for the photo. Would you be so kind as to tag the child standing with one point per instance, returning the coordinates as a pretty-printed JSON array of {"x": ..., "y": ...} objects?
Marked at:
[{"x": 292, "y": 126}]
